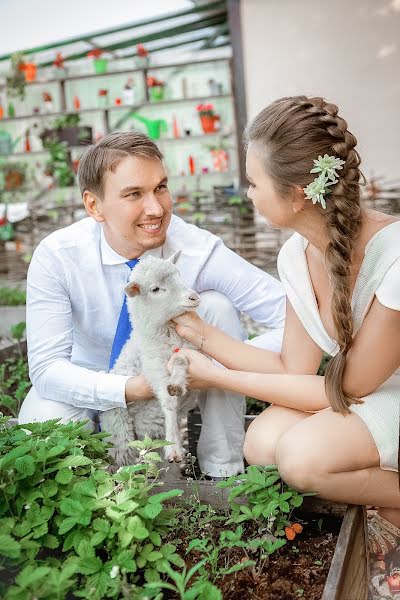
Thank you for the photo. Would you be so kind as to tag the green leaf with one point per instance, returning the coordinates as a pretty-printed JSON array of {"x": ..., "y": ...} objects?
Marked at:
[
  {"x": 30, "y": 575},
  {"x": 86, "y": 550},
  {"x": 73, "y": 461},
  {"x": 71, "y": 507},
  {"x": 64, "y": 476},
  {"x": 66, "y": 525},
  {"x": 155, "y": 538},
  {"x": 86, "y": 488},
  {"x": 101, "y": 525},
  {"x": 154, "y": 555},
  {"x": 136, "y": 528},
  {"x": 151, "y": 575},
  {"x": 50, "y": 541},
  {"x": 9, "y": 547},
  {"x": 100, "y": 581},
  {"x": 98, "y": 537},
  {"x": 90, "y": 565},
  {"x": 150, "y": 511},
  {"x": 296, "y": 501},
  {"x": 157, "y": 498}
]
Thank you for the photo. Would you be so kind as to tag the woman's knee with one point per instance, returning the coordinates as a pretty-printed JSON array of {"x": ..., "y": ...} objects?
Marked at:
[
  {"x": 260, "y": 440},
  {"x": 298, "y": 466}
]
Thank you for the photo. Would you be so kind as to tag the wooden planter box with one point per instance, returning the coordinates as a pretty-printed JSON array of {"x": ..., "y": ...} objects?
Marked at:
[{"x": 349, "y": 571}]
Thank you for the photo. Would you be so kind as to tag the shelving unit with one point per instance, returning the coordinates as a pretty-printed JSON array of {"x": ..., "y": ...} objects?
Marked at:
[{"x": 185, "y": 77}]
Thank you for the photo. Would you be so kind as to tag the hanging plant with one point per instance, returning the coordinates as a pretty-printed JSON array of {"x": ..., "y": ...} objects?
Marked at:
[{"x": 16, "y": 82}]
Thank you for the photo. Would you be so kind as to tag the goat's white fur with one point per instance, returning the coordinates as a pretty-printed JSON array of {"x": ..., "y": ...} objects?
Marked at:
[{"x": 148, "y": 351}]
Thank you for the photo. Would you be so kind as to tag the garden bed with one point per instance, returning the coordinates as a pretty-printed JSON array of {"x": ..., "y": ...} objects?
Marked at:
[{"x": 328, "y": 561}]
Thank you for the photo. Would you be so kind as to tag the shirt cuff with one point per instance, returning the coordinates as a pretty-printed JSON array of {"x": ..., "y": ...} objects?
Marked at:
[{"x": 110, "y": 390}]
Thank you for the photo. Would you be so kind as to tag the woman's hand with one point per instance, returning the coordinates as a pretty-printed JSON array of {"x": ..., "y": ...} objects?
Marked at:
[
  {"x": 202, "y": 373},
  {"x": 191, "y": 327}
]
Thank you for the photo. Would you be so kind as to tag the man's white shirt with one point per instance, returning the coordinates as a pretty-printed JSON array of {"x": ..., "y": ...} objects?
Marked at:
[{"x": 75, "y": 290}]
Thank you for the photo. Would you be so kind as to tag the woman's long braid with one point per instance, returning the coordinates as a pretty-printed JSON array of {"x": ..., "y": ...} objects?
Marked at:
[{"x": 343, "y": 224}]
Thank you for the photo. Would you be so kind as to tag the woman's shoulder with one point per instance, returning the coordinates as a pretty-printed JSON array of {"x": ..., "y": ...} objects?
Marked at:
[
  {"x": 388, "y": 292},
  {"x": 291, "y": 250}
]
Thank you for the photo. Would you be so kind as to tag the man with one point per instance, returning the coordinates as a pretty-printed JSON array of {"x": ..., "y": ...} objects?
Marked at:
[{"x": 75, "y": 290}]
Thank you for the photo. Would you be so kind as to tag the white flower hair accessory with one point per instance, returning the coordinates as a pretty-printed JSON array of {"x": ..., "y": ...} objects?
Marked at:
[{"x": 327, "y": 166}]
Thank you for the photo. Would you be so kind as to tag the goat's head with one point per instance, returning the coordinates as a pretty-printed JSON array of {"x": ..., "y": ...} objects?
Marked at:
[{"x": 157, "y": 292}]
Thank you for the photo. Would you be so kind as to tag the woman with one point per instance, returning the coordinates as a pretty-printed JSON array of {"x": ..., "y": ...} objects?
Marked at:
[{"x": 337, "y": 434}]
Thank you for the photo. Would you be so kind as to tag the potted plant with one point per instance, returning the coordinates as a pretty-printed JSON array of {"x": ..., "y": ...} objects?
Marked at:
[
  {"x": 100, "y": 64},
  {"x": 16, "y": 81},
  {"x": 59, "y": 165},
  {"x": 67, "y": 129},
  {"x": 14, "y": 174},
  {"x": 142, "y": 58},
  {"x": 210, "y": 122},
  {"x": 219, "y": 156},
  {"x": 156, "y": 88},
  {"x": 59, "y": 68}
]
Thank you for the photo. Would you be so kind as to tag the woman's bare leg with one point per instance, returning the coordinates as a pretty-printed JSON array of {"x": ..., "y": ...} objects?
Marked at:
[
  {"x": 336, "y": 456},
  {"x": 264, "y": 432}
]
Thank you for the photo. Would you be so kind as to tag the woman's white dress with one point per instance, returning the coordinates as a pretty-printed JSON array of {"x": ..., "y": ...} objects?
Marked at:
[{"x": 379, "y": 276}]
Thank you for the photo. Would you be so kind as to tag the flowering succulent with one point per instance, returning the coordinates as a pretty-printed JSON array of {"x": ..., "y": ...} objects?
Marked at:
[{"x": 327, "y": 166}]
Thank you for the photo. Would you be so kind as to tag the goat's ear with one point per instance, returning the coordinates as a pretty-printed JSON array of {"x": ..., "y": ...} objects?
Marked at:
[
  {"x": 132, "y": 289},
  {"x": 174, "y": 257}
]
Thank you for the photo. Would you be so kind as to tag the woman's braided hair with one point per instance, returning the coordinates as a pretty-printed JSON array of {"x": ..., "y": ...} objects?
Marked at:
[{"x": 289, "y": 134}]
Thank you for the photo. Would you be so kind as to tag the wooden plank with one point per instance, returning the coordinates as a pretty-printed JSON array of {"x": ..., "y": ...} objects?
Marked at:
[
  {"x": 348, "y": 575},
  {"x": 207, "y": 492}
]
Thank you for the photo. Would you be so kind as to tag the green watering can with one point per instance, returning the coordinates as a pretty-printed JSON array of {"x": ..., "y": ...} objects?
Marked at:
[
  {"x": 7, "y": 145},
  {"x": 154, "y": 126}
]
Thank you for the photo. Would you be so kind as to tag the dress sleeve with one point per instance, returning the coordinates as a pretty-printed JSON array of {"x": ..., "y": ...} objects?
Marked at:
[{"x": 388, "y": 292}]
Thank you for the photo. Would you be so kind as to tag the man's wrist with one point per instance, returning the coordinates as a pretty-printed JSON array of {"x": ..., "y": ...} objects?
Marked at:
[{"x": 136, "y": 388}]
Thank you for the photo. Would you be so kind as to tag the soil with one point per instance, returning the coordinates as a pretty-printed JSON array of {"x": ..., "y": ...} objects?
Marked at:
[{"x": 298, "y": 570}]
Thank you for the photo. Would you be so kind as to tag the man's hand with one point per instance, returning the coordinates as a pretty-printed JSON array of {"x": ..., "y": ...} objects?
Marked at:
[{"x": 137, "y": 388}]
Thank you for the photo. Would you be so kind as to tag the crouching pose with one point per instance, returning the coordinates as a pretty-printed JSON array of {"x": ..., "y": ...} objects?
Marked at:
[
  {"x": 339, "y": 434},
  {"x": 156, "y": 294},
  {"x": 75, "y": 290}
]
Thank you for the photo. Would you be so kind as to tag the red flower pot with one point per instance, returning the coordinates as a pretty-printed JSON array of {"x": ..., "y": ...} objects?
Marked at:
[{"x": 208, "y": 123}]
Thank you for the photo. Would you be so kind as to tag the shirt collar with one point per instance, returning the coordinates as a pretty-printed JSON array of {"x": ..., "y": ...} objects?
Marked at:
[{"x": 110, "y": 257}]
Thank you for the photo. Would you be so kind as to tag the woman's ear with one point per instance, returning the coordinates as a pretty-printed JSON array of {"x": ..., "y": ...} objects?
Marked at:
[
  {"x": 298, "y": 199},
  {"x": 93, "y": 206}
]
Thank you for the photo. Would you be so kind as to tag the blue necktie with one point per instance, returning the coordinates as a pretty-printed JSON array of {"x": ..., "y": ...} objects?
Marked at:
[{"x": 124, "y": 327}]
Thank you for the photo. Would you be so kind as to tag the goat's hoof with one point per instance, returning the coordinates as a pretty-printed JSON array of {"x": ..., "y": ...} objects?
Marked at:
[
  {"x": 174, "y": 455},
  {"x": 175, "y": 390}
]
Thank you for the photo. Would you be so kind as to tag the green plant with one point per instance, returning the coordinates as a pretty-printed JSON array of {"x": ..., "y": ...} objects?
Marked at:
[
  {"x": 68, "y": 526},
  {"x": 265, "y": 498},
  {"x": 14, "y": 384},
  {"x": 17, "y": 333},
  {"x": 201, "y": 590},
  {"x": 67, "y": 120},
  {"x": 16, "y": 82},
  {"x": 59, "y": 164},
  {"x": 12, "y": 296}
]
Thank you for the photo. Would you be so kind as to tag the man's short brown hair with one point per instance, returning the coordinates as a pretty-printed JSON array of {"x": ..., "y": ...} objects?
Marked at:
[{"x": 108, "y": 153}]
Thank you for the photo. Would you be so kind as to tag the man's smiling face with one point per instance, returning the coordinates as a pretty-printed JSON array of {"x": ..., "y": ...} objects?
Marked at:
[{"x": 136, "y": 206}]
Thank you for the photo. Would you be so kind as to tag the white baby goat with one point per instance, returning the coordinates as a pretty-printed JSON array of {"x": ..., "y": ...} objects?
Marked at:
[{"x": 155, "y": 295}]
